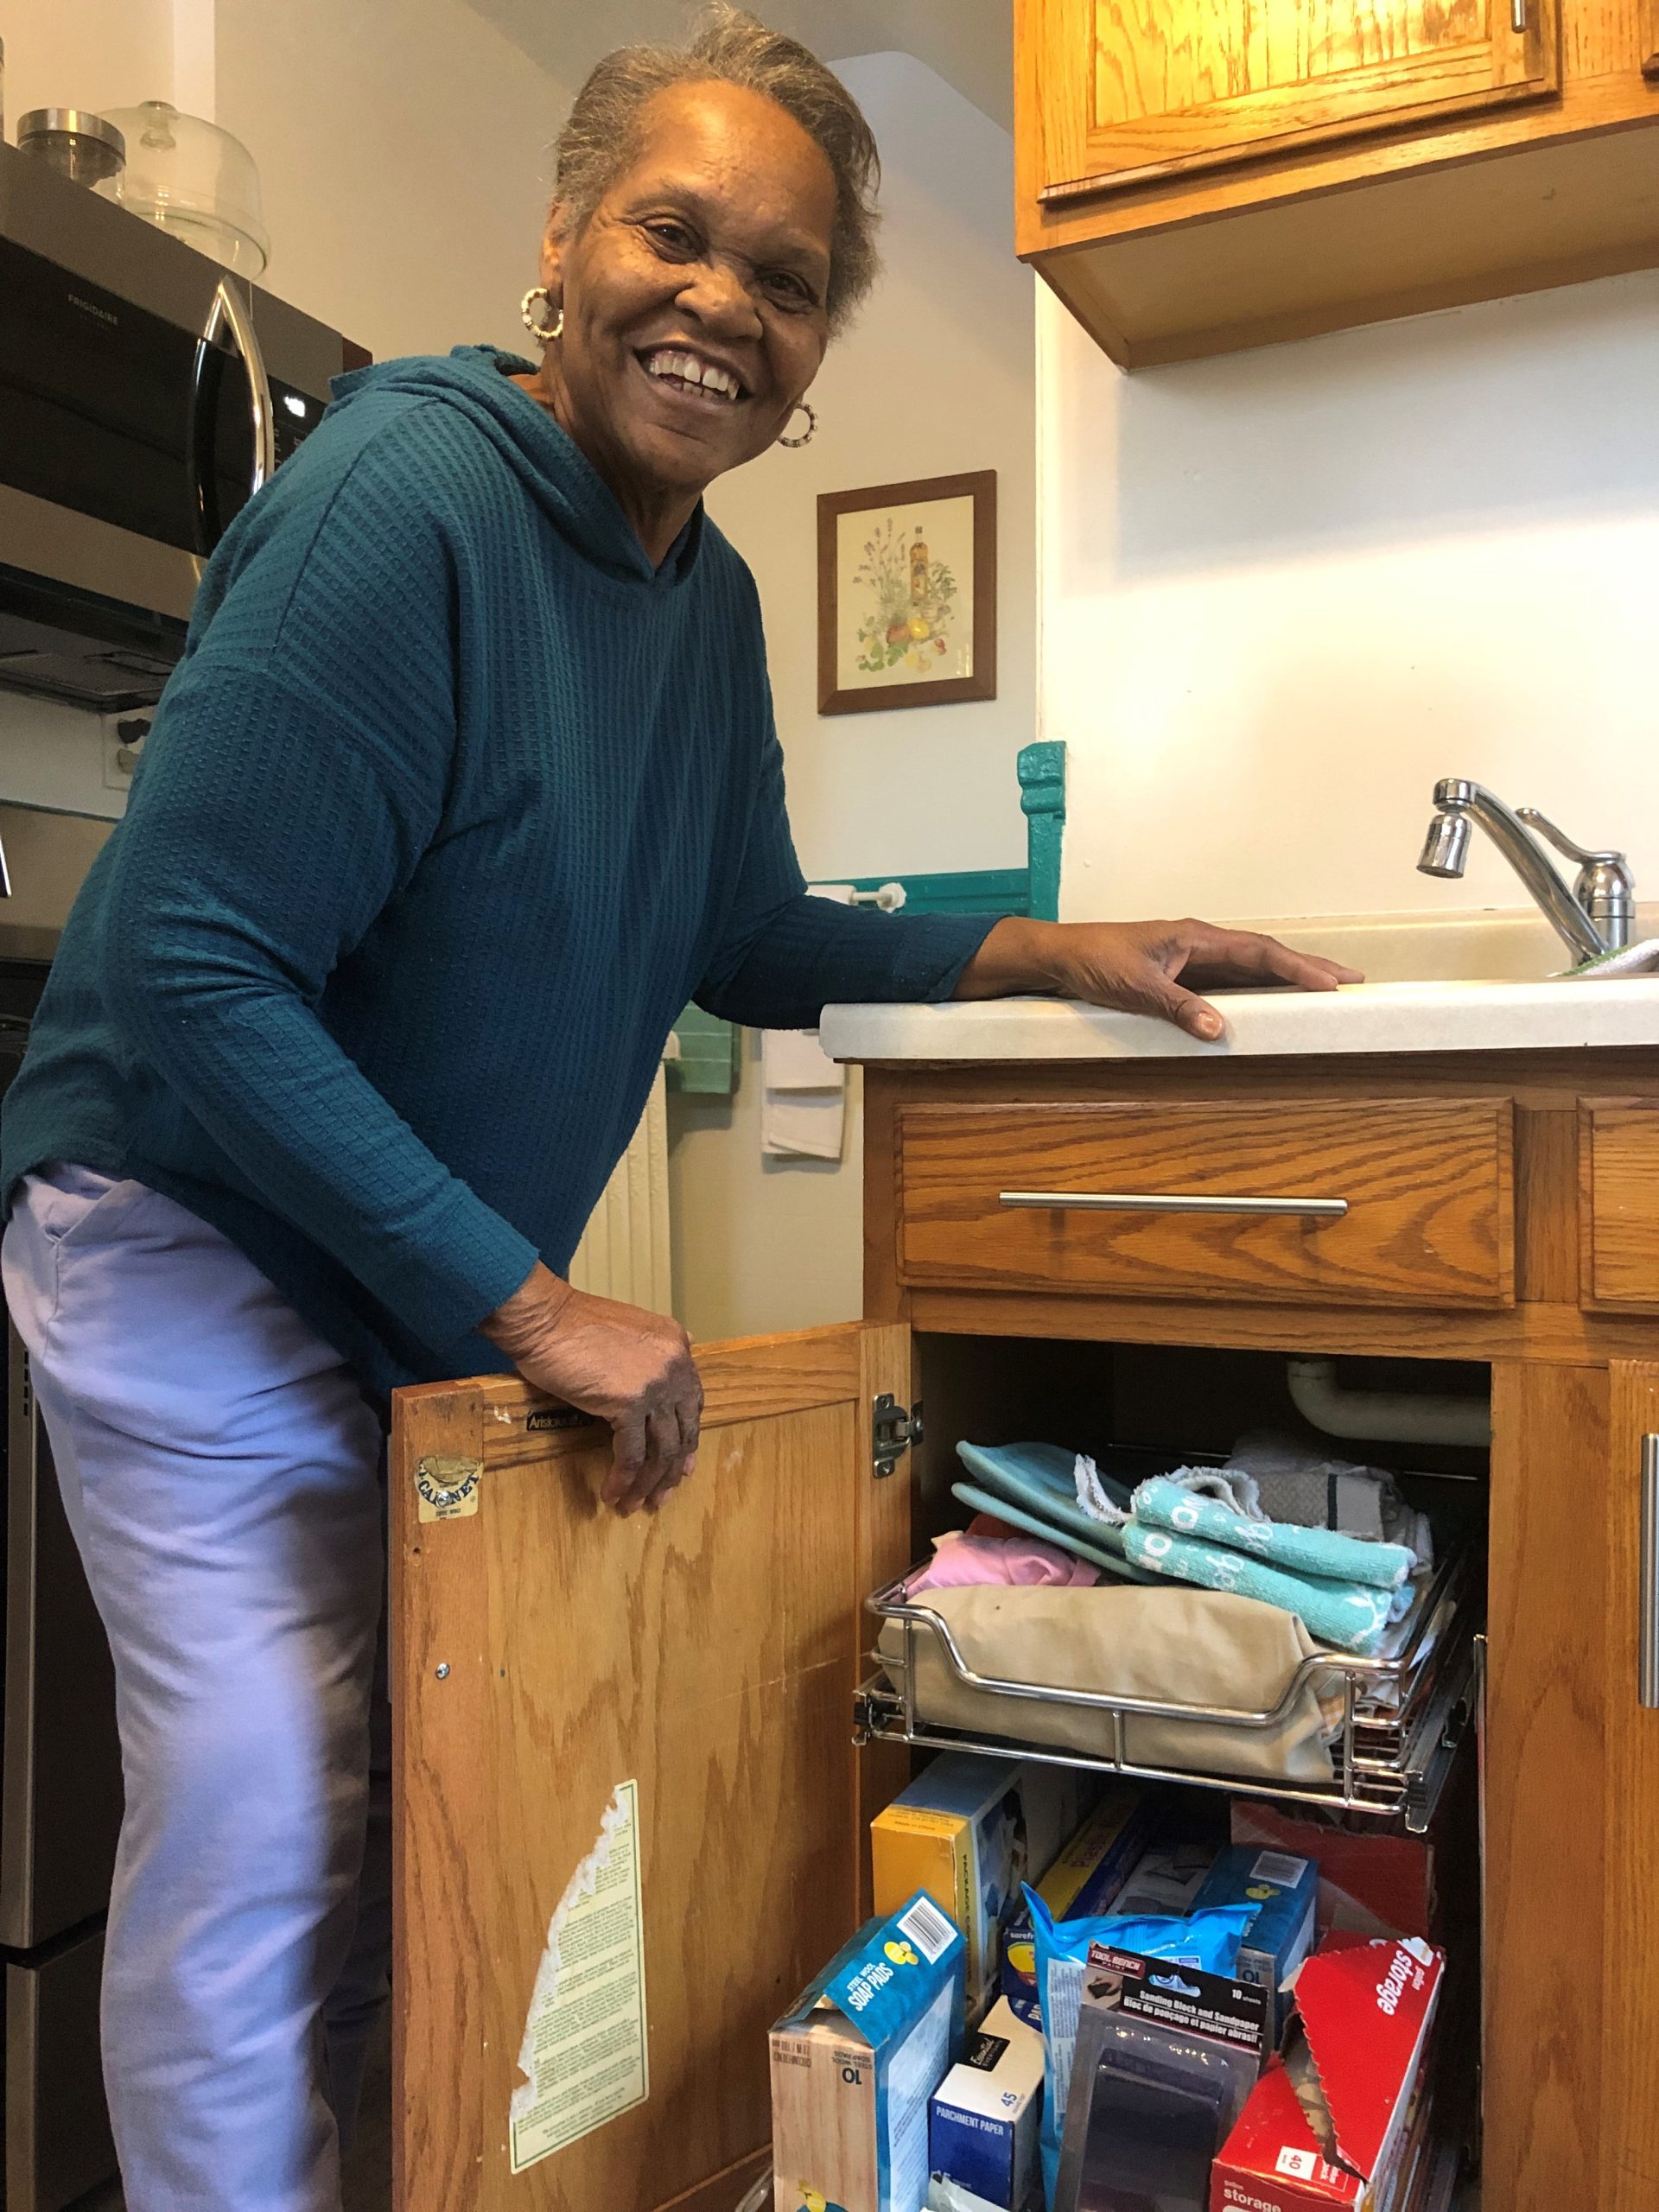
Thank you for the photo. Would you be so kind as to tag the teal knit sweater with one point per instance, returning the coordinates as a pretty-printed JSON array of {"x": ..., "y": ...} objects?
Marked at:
[{"x": 449, "y": 808}]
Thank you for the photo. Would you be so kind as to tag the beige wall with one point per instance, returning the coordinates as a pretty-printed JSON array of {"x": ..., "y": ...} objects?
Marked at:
[
  {"x": 403, "y": 148},
  {"x": 95, "y": 54},
  {"x": 937, "y": 376},
  {"x": 1285, "y": 592},
  {"x": 401, "y": 144},
  {"x": 761, "y": 1245}
]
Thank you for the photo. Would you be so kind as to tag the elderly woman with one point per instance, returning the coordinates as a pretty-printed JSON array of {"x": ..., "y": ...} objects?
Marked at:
[{"x": 466, "y": 783}]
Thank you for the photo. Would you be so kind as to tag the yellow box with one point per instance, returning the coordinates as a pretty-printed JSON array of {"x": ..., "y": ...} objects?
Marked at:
[{"x": 969, "y": 1831}]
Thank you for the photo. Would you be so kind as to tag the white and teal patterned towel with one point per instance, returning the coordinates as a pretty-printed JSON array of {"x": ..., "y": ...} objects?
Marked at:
[
  {"x": 1352, "y": 1616},
  {"x": 1167, "y": 1503}
]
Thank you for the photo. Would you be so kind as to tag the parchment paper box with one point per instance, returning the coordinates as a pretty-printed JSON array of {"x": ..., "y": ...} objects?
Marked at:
[
  {"x": 968, "y": 1831},
  {"x": 1328, "y": 2124},
  {"x": 855, "y": 2060},
  {"x": 983, "y": 2127}
]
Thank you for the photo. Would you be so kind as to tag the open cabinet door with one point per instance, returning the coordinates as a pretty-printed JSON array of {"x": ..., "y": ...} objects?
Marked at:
[
  {"x": 1572, "y": 1874},
  {"x": 662, "y": 1704}
]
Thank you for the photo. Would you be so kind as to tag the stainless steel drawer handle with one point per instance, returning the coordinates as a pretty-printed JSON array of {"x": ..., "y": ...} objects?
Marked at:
[
  {"x": 1647, "y": 1663},
  {"x": 1173, "y": 1202}
]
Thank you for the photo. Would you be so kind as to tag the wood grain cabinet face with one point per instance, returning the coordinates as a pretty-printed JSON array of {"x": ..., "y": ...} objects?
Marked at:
[
  {"x": 697, "y": 1665},
  {"x": 1136, "y": 90},
  {"x": 1618, "y": 1209},
  {"x": 1427, "y": 1184}
]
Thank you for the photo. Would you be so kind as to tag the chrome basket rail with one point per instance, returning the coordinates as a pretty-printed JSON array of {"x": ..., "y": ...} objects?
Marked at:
[{"x": 1388, "y": 1763}]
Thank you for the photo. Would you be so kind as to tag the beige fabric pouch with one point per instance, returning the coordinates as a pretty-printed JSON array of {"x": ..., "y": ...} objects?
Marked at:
[{"x": 1195, "y": 1647}]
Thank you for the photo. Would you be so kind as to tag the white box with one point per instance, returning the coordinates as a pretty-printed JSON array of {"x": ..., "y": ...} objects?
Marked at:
[{"x": 982, "y": 2124}]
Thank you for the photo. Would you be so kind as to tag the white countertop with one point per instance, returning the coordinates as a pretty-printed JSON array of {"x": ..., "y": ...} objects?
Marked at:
[{"x": 1371, "y": 1018}]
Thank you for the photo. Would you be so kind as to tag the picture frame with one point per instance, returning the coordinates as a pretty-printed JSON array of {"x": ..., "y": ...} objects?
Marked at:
[{"x": 907, "y": 593}]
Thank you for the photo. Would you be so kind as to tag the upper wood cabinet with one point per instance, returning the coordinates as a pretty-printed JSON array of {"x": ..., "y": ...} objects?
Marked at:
[
  {"x": 1197, "y": 175},
  {"x": 1137, "y": 90}
]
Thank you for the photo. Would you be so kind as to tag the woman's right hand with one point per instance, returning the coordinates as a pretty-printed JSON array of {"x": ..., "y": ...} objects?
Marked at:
[{"x": 632, "y": 1369}]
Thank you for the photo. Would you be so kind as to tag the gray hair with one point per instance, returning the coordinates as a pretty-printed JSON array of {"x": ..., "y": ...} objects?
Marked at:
[{"x": 601, "y": 133}]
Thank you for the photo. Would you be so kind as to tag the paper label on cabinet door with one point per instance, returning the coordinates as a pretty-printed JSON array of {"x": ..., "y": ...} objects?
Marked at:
[
  {"x": 585, "y": 2056},
  {"x": 447, "y": 1489}
]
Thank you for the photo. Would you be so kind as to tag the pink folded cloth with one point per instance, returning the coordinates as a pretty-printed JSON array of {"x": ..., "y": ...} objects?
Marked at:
[{"x": 958, "y": 1561}]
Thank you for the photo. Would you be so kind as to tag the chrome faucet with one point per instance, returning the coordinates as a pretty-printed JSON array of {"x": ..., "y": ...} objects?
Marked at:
[{"x": 1592, "y": 918}]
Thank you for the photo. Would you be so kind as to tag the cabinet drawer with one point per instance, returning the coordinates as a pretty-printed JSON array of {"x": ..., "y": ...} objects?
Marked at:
[
  {"x": 1618, "y": 1211},
  {"x": 1398, "y": 1202}
]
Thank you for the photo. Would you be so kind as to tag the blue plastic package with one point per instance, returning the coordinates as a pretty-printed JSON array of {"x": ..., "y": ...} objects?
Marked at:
[{"x": 1209, "y": 1939}]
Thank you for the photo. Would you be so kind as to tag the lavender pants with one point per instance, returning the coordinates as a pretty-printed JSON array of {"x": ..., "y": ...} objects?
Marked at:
[{"x": 221, "y": 1472}]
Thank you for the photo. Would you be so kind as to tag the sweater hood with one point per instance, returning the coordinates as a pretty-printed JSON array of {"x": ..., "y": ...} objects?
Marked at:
[{"x": 551, "y": 467}]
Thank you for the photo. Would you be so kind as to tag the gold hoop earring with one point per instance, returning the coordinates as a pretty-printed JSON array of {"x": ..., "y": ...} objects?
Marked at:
[
  {"x": 546, "y": 332},
  {"x": 806, "y": 438}
]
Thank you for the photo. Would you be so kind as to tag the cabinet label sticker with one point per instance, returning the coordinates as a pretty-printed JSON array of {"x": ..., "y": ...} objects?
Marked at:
[
  {"x": 585, "y": 2056},
  {"x": 447, "y": 1489}
]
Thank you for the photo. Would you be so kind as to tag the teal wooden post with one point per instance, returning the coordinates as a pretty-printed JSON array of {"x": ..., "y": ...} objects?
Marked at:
[{"x": 1042, "y": 797}]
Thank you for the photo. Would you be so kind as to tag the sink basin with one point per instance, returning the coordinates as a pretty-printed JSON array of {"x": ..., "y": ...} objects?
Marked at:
[{"x": 1497, "y": 946}]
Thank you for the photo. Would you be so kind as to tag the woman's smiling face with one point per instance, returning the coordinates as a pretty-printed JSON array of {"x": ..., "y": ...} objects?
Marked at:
[{"x": 694, "y": 297}]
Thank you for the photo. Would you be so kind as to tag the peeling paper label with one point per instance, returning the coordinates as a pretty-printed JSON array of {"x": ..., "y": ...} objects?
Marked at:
[{"x": 585, "y": 2058}]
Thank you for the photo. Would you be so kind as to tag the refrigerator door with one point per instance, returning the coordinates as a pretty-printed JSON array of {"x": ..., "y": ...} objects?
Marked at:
[
  {"x": 61, "y": 1807},
  {"x": 57, "y": 2142}
]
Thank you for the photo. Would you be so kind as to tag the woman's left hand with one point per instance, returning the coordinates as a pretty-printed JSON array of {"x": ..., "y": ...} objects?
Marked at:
[{"x": 1134, "y": 967}]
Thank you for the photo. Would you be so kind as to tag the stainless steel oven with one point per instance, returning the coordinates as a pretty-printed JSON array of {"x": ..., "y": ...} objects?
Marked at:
[{"x": 145, "y": 394}]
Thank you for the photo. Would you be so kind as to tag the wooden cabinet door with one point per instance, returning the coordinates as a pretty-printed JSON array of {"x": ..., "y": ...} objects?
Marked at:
[
  {"x": 1571, "y": 1935},
  {"x": 674, "y": 1688},
  {"x": 1123, "y": 91}
]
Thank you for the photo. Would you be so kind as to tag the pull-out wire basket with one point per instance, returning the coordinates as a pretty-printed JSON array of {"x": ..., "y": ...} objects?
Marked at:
[{"x": 1400, "y": 1718}]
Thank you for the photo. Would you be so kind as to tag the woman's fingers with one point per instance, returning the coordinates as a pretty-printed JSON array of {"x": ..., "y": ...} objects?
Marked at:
[
  {"x": 1244, "y": 955},
  {"x": 653, "y": 1465},
  {"x": 633, "y": 1369},
  {"x": 1150, "y": 989}
]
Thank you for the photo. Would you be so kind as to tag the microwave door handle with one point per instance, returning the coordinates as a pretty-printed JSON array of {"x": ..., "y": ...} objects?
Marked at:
[
  {"x": 228, "y": 313},
  {"x": 239, "y": 320}
]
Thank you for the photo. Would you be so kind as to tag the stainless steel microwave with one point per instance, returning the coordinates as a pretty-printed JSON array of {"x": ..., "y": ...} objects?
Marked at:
[{"x": 145, "y": 394}]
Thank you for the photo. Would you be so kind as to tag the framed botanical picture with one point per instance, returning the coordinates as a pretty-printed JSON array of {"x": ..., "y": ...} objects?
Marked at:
[{"x": 907, "y": 593}]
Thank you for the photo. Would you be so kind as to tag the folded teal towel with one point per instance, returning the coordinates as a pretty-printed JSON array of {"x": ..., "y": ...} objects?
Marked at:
[
  {"x": 1161, "y": 1503},
  {"x": 1109, "y": 1563},
  {"x": 1349, "y": 1615},
  {"x": 1041, "y": 1478}
]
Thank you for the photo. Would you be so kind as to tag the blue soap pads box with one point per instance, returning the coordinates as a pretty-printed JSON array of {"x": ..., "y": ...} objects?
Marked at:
[
  {"x": 855, "y": 2060},
  {"x": 1285, "y": 1891}
]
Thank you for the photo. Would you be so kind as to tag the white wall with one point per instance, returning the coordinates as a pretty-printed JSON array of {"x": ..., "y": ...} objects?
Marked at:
[
  {"x": 401, "y": 145},
  {"x": 937, "y": 376},
  {"x": 1285, "y": 591}
]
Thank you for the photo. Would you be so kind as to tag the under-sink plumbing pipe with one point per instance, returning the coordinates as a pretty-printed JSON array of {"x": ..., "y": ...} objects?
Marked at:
[{"x": 1384, "y": 1416}]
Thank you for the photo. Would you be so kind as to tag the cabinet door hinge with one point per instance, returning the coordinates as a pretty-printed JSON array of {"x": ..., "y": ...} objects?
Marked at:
[{"x": 892, "y": 1431}]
